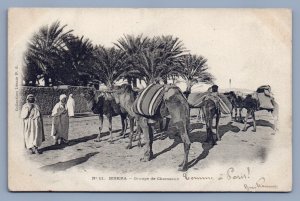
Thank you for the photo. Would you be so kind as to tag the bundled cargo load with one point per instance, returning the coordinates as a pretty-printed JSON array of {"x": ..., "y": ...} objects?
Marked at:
[{"x": 265, "y": 97}]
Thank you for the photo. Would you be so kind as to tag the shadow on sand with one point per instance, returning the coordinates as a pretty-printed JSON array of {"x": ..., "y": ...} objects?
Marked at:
[
  {"x": 260, "y": 122},
  {"x": 200, "y": 136},
  {"x": 77, "y": 116},
  {"x": 76, "y": 141},
  {"x": 62, "y": 166}
]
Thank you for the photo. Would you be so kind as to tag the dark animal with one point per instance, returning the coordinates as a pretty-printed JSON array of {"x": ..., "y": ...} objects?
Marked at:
[
  {"x": 251, "y": 104},
  {"x": 237, "y": 105},
  {"x": 210, "y": 108},
  {"x": 105, "y": 104}
]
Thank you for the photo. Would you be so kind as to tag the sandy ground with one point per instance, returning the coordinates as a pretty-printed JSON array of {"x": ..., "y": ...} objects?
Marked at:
[{"x": 83, "y": 152}]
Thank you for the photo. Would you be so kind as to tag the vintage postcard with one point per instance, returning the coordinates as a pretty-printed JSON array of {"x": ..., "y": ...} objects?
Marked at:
[{"x": 183, "y": 100}]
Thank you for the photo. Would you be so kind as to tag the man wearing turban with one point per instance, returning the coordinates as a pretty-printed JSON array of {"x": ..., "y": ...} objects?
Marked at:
[
  {"x": 33, "y": 130},
  {"x": 60, "y": 121}
]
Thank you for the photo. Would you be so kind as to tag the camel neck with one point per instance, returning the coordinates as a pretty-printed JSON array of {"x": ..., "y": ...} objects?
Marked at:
[{"x": 127, "y": 103}]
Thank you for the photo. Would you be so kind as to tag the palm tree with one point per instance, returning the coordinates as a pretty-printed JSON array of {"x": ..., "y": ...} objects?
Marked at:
[
  {"x": 132, "y": 46},
  {"x": 151, "y": 59},
  {"x": 109, "y": 65},
  {"x": 31, "y": 71},
  {"x": 46, "y": 48},
  {"x": 78, "y": 57},
  {"x": 193, "y": 69}
]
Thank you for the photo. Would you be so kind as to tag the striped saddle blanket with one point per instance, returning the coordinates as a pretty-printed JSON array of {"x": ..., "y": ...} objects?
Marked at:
[{"x": 149, "y": 100}]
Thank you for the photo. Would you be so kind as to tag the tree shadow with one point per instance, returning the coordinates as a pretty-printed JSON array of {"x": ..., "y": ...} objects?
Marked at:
[{"x": 62, "y": 166}]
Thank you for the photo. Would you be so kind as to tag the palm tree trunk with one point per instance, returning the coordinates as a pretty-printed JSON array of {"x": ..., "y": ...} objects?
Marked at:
[
  {"x": 188, "y": 88},
  {"x": 134, "y": 82},
  {"x": 109, "y": 85},
  {"x": 129, "y": 80},
  {"x": 46, "y": 80},
  {"x": 165, "y": 80}
]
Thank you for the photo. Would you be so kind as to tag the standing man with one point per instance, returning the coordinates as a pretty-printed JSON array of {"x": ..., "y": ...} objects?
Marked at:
[
  {"x": 71, "y": 106},
  {"x": 33, "y": 130},
  {"x": 60, "y": 121}
]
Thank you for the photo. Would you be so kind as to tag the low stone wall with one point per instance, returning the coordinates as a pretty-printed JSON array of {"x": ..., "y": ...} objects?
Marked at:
[{"x": 47, "y": 97}]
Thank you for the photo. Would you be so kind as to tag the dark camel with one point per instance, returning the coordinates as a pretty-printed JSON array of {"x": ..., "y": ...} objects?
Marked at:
[{"x": 105, "y": 104}]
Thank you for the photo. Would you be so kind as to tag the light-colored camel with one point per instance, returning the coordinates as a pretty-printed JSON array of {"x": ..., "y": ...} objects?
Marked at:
[{"x": 174, "y": 104}]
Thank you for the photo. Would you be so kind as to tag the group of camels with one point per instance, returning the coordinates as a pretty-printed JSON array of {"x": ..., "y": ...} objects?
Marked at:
[{"x": 172, "y": 105}]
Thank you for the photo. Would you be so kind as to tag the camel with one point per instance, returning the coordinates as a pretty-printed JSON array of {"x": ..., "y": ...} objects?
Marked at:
[
  {"x": 124, "y": 97},
  {"x": 251, "y": 104},
  {"x": 208, "y": 104},
  {"x": 211, "y": 110},
  {"x": 237, "y": 105},
  {"x": 105, "y": 104},
  {"x": 174, "y": 104}
]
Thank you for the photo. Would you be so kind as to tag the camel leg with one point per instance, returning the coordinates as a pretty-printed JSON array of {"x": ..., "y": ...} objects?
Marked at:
[
  {"x": 199, "y": 115},
  {"x": 202, "y": 115},
  {"x": 240, "y": 111},
  {"x": 254, "y": 121},
  {"x": 131, "y": 124},
  {"x": 235, "y": 114},
  {"x": 161, "y": 128},
  {"x": 167, "y": 124},
  {"x": 139, "y": 133},
  {"x": 124, "y": 124},
  {"x": 186, "y": 144},
  {"x": 246, "y": 120},
  {"x": 100, "y": 128},
  {"x": 207, "y": 127},
  {"x": 148, "y": 135},
  {"x": 210, "y": 122},
  {"x": 110, "y": 130}
]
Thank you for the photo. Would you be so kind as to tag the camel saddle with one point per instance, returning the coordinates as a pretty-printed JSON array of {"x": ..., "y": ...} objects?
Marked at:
[
  {"x": 197, "y": 100},
  {"x": 149, "y": 100}
]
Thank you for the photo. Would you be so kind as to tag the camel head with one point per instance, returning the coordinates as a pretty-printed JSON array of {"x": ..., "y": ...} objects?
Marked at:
[{"x": 120, "y": 91}]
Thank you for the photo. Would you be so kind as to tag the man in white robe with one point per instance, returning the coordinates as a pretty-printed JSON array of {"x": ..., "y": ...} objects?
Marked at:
[
  {"x": 60, "y": 121},
  {"x": 71, "y": 106},
  {"x": 33, "y": 130}
]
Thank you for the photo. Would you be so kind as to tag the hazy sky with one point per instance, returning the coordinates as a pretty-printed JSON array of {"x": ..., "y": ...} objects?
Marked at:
[{"x": 252, "y": 47}]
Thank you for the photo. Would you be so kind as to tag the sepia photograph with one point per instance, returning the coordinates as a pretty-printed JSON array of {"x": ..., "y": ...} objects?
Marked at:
[{"x": 150, "y": 100}]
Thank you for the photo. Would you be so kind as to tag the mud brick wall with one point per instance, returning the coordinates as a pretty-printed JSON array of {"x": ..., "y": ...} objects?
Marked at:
[{"x": 47, "y": 97}]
